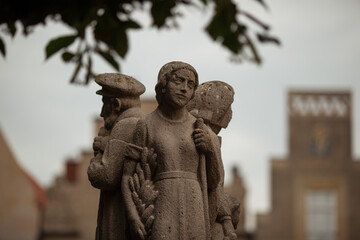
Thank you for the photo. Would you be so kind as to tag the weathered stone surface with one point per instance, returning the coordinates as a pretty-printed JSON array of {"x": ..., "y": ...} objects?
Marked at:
[
  {"x": 120, "y": 112},
  {"x": 212, "y": 102},
  {"x": 184, "y": 151},
  {"x": 116, "y": 84},
  {"x": 168, "y": 162},
  {"x": 73, "y": 203}
]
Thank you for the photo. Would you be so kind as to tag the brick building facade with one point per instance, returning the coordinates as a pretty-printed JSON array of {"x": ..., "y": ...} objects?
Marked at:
[{"x": 316, "y": 189}]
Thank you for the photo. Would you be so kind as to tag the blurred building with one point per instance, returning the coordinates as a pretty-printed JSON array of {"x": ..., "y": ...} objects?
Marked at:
[
  {"x": 316, "y": 189},
  {"x": 238, "y": 190},
  {"x": 72, "y": 203},
  {"x": 22, "y": 200}
]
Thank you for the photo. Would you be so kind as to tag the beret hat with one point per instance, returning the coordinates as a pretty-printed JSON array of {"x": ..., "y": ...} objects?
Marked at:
[
  {"x": 119, "y": 85},
  {"x": 212, "y": 102}
]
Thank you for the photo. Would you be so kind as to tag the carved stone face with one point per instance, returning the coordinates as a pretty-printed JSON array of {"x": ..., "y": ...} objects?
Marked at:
[
  {"x": 180, "y": 88},
  {"x": 108, "y": 112}
]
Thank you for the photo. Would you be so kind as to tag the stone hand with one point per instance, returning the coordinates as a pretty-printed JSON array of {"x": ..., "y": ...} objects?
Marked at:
[
  {"x": 100, "y": 143},
  {"x": 138, "y": 229},
  {"x": 202, "y": 138},
  {"x": 229, "y": 231},
  {"x": 103, "y": 132},
  {"x": 148, "y": 162},
  {"x": 101, "y": 140}
]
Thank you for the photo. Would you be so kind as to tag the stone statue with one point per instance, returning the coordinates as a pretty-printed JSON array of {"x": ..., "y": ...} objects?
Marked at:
[
  {"x": 212, "y": 103},
  {"x": 161, "y": 175},
  {"x": 120, "y": 111},
  {"x": 180, "y": 156}
]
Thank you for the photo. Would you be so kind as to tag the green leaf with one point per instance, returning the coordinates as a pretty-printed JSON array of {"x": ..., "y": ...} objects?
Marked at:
[
  {"x": 122, "y": 46},
  {"x": 250, "y": 44},
  {"x": 161, "y": 10},
  {"x": 67, "y": 56},
  {"x": 11, "y": 28},
  {"x": 113, "y": 32},
  {"x": 56, "y": 44},
  {"x": 131, "y": 24},
  {"x": 77, "y": 70},
  {"x": 89, "y": 71},
  {"x": 262, "y": 3},
  {"x": 224, "y": 27},
  {"x": 109, "y": 58},
  {"x": 2, "y": 47},
  {"x": 265, "y": 38},
  {"x": 255, "y": 20}
]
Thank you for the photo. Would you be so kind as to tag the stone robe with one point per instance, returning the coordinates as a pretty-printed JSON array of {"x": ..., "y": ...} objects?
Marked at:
[
  {"x": 181, "y": 210},
  {"x": 105, "y": 173}
]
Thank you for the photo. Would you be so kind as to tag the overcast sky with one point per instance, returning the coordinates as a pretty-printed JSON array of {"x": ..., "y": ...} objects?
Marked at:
[{"x": 45, "y": 119}]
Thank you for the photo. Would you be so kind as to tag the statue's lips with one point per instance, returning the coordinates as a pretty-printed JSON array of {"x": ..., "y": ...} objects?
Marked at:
[{"x": 181, "y": 96}]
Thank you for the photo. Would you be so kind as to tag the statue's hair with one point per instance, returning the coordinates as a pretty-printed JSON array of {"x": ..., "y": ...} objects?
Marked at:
[
  {"x": 129, "y": 102},
  {"x": 167, "y": 72},
  {"x": 125, "y": 103}
]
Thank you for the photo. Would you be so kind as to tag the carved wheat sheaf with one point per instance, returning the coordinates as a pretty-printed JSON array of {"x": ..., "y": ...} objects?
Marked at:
[{"x": 143, "y": 192}]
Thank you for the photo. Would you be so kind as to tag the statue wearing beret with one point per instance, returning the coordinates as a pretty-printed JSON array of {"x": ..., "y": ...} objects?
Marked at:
[
  {"x": 212, "y": 102},
  {"x": 120, "y": 111}
]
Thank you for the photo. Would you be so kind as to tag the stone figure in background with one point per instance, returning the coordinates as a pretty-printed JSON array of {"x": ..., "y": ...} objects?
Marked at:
[
  {"x": 212, "y": 103},
  {"x": 173, "y": 164},
  {"x": 120, "y": 111}
]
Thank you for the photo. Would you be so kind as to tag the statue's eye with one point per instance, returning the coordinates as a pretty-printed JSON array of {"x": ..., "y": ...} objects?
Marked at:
[
  {"x": 177, "y": 80},
  {"x": 191, "y": 84}
]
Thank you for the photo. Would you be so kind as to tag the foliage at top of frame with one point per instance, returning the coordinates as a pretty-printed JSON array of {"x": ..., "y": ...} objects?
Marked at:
[{"x": 111, "y": 20}]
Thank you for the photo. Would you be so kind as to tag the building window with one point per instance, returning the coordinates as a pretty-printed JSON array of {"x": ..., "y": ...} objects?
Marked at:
[{"x": 321, "y": 215}]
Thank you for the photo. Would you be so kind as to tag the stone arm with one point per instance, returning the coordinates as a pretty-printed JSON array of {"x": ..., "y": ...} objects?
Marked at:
[
  {"x": 206, "y": 143},
  {"x": 214, "y": 164},
  {"x": 105, "y": 169},
  {"x": 100, "y": 141}
]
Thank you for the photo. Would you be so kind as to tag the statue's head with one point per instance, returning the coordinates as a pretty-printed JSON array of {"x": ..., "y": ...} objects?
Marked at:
[
  {"x": 212, "y": 103},
  {"x": 175, "y": 71},
  {"x": 119, "y": 92}
]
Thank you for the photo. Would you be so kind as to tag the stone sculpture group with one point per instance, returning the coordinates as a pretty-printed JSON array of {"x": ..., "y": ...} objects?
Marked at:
[{"x": 161, "y": 175}]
